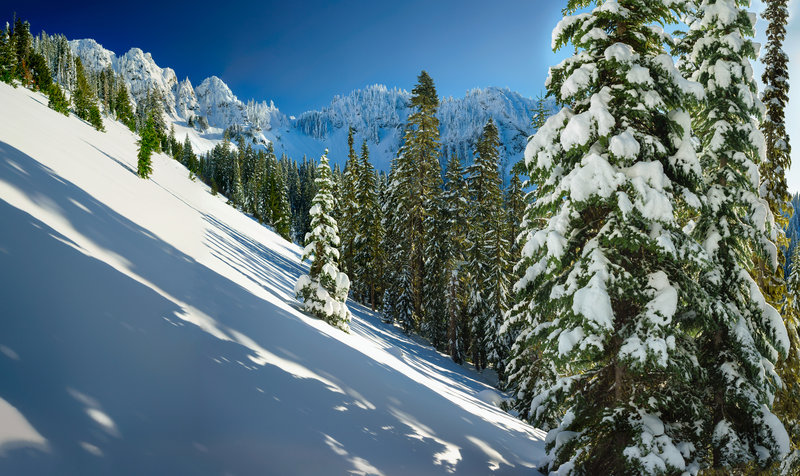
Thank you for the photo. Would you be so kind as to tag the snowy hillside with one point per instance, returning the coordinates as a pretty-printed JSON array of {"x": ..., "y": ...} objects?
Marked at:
[
  {"x": 149, "y": 328},
  {"x": 377, "y": 113}
]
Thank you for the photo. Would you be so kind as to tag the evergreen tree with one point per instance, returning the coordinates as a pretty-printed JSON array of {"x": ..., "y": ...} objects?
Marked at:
[
  {"x": 414, "y": 191},
  {"x": 57, "y": 101},
  {"x": 515, "y": 209},
  {"x": 308, "y": 184},
  {"x": 786, "y": 403},
  {"x": 540, "y": 114},
  {"x": 22, "y": 42},
  {"x": 775, "y": 97},
  {"x": 774, "y": 189},
  {"x": 324, "y": 290},
  {"x": 743, "y": 334},
  {"x": 147, "y": 144},
  {"x": 123, "y": 107},
  {"x": 237, "y": 200},
  {"x": 282, "y": 216},
  {"x": 295, "y": 197},
  {"x": 255, "y": 185},
  {"x": 187, "y": 156},
  {"x": 369, "y": 255},
  {"x": 487, "y": 253},
  {"x": 8, "y": 56},
  {"x": 82, "y": 98},
  {"x": 40, "y": 72},
  {"x": 455, "y": 213},
  {"x": 391, "y": 246},
  {"x": 95, "y": 119},
  {"x": 608, "y": 308},
  {"x": 434, "y": 283},
  {"x": 349, "y": 205}
]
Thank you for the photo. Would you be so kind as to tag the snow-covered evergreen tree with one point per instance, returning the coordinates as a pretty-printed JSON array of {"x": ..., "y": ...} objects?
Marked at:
[
  {"x": 515, "y": 211},
  {"x": 369, "y": 255},
  {"x": 775, "y": 97},
  {"x": 414, "y": 189},
  {"x": 324, "y": 290},
  {"x": 433, "y": 324},
  {"x": 487, "y": 253},
  {"x": 786, "y": 404},
  {"x": 774, "y": 189},
  {"x": 349, "y": 205},
  {"x": 608, "y": 307},
  {"x": 742, "y": 337},
  {"x": 453, "y": 235}
]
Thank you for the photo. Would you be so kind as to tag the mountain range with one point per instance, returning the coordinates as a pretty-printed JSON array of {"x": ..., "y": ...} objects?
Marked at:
[{"x": 377, "y": 113}]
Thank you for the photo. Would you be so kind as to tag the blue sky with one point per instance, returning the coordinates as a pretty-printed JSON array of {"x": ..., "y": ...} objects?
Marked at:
[{"x": 301, "y": 53}]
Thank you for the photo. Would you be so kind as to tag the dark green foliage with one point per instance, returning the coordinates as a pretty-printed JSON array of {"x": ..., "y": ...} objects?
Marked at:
[
  {"x": 40, "y": 73},
  {"x": 487, "y": 254},
  {"x": 188, "y": 157},
  {"x": 82, "y": 97},
  {"x": 57, "y": 101},
  {"x": 348, "y": 204},
  {"x": 282, "y": 214},
  {"x": 22, "y": 42},
  {"x": 369, "y": 259},
  {"x": 147, "y": 145},
  {"x": 95, "y": 119},
  {"x": 123, "y": 108},
  {"x": 455, "y": 223},
  {"x": 413, "y": 196},
  {"x": 8, "y": 57}
]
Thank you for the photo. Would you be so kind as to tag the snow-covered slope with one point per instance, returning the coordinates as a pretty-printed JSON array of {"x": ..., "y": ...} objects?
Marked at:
[
  {"x": 149, "y": 328},
  {"x": 376, "y": 112}
]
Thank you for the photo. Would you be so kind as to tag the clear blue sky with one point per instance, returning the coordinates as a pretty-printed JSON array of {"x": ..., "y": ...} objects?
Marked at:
[{"x": 301, "y": 53}]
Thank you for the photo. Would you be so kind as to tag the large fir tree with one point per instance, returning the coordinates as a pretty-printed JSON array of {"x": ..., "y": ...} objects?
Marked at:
[
  {"x": 741, "y": 338},
  {"x": 608, "y": 307},
  {"x": 349, "y": 205},
  {"x": 487, "y": 253},
  {"x": 414, "y": 190},
  {"x": 774, "y": 189},
  {"x": 324, "y": 290},
  {"x": 147, "y": 145},
  {"x": 369, "y": 255},
  {"x": 455, "y": 210},
  {"x": 8, "y": 56}
]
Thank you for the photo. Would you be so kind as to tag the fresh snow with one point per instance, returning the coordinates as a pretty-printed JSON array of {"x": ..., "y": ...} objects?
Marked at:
[{"x": 149, "y": 328}]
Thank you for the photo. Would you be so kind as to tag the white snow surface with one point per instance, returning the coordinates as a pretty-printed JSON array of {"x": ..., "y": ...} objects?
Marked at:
[{"x": 149, "y": 328}]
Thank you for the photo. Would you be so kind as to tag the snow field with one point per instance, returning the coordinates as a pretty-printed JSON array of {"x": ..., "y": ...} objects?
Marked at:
[{"x": 149, "y": 328}]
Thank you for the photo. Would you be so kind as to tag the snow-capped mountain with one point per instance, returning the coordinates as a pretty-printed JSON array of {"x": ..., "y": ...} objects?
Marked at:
[
  {"x": 186, "y": 102},
  {"x": 377, "y": 113}
]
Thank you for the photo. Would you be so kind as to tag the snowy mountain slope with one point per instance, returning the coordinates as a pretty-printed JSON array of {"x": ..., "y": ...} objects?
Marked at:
[
  {"x": 376, "y": 112},
  {"x": 379, "y": 114},
  {"x": 148, "y": 328}
]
